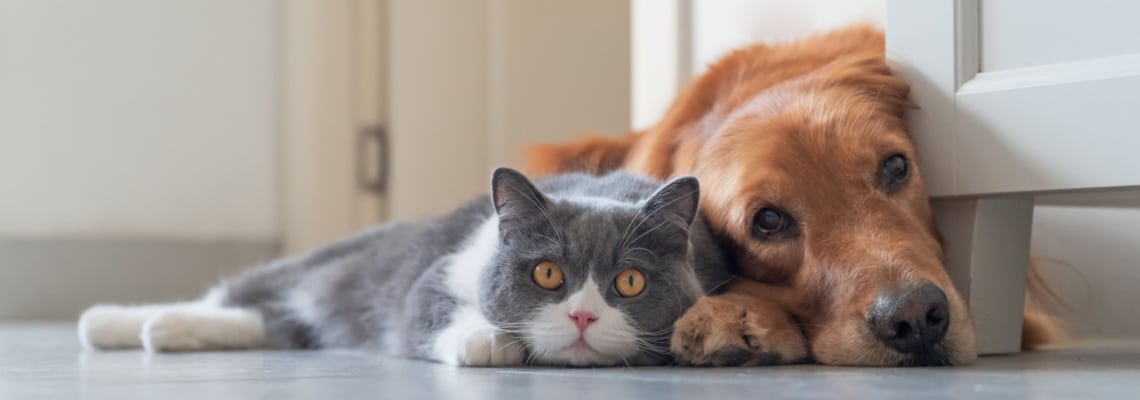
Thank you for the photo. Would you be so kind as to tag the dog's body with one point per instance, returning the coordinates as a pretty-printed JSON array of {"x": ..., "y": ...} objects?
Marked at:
[{"x": 810, "y": 178}]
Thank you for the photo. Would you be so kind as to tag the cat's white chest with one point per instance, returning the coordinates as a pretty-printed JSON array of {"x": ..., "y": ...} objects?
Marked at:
[
  {"x": 469, "y": 339},
  {"x": 465, "y": 268}
]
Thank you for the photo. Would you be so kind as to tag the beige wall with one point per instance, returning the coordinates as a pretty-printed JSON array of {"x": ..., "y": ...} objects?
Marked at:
[
  {"x": 138, "y": 149},
  {"x": 557, "y": 69},
  {"x": 128, "y": 118}
]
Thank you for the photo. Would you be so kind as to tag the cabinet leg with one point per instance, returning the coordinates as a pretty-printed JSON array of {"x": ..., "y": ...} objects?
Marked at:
[{"x": 987, "y": 256}]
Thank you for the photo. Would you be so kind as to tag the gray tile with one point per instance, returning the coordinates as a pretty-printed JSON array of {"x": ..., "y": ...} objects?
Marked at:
[{"x": 45, "y": 361}]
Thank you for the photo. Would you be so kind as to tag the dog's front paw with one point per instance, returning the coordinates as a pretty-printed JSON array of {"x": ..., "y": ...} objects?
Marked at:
[
  {"x": 492, "y": 350},
  {"x": 722, "y": 331}
]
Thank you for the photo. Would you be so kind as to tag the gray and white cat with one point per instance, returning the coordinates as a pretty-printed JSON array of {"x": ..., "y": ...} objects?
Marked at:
[{"x": 587, "y": 271}]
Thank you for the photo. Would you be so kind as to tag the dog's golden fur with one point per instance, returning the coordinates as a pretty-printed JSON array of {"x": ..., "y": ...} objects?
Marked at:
[{"x": 804, "y": 127}]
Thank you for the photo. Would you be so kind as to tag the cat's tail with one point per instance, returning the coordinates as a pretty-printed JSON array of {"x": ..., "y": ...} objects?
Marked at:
[{"x": 201, "y": 325}]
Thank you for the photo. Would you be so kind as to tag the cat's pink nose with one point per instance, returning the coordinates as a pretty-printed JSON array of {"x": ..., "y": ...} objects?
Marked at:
[{"x": 584, "y": 319}]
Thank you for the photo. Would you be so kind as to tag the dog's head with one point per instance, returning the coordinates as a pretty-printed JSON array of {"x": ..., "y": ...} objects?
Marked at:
[{"x": 815, "y": 182}]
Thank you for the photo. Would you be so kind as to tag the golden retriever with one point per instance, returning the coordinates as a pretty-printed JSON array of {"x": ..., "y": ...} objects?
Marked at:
[{"x": 808, "y": 174}]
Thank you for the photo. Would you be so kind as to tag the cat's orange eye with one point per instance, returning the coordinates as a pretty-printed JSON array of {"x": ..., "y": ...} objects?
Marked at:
[
  {"x": 630, "y": 283},
  {"x": 548, "y": 275}
]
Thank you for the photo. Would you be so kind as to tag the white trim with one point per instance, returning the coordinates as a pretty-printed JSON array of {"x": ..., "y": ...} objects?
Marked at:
[
  {"x": 921, "y": 40},
  {"x": 967, "y": 36},
  {"x": 1054, "y": 74}
]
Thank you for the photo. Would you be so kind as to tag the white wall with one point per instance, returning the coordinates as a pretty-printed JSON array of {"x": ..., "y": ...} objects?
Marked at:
[
  {"x": 720, "y": 25},
  {"x": 705, "y": 30},
  {"x": 138, "y": 118},
  {"x": 1091, "y": 256}
]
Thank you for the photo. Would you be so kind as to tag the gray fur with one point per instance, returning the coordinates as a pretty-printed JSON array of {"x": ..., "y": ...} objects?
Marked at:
[{"x": 388, "y": 282}]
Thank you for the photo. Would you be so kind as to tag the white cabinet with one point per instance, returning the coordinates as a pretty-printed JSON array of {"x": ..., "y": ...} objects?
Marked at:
[
  {"x": 1017, "y": 99},
  {"x": 1019, "y": 96}
]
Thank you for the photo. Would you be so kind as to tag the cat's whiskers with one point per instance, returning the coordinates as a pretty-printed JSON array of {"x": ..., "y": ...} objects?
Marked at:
[
  {"x": 534, "y": 354},
  {"x": 645, "y": 340},
  {"x": 635, "y": 249},
  {"x": 717, "y": 286},
  {"x": 676, "y": 298},
  {"x": 649, "y": 345},
  {"x": 626, "y": 362},
  {"x": 510, "y": 343},
  {"x": 511, "y": 328},
  {"x": 645, "y": 345},
  {"x": 643, "y": 218},
  {"x": 633, "y": 228},
  {"x": 547, "y": 238},
  {"x": 537, "y": 355},
  {"x": 663, "y": 332},
  {"x": 629, "y": 228},
  {"x": 534, "y": 201},
  {"x": 640, "y": 219},
  {"x": 630, "y": 261},
  {"x": 651, "y": 230}
]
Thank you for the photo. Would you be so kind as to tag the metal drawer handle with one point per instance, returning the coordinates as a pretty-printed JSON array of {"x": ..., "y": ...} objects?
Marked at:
[{"x": 372, "y": 159}]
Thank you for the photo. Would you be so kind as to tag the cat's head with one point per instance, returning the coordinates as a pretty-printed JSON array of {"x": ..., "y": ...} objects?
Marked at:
[{"x": 591, "y": 281}]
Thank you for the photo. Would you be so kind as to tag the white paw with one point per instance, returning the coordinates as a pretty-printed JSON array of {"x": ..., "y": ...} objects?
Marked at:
[
  {"x": 486, "y": 349},
  {"x": 203, "y": 330},
  {"x": 469, "y": 340},
  {"x": 108, "y": 327},
  {"x": 171, "y": 331}
]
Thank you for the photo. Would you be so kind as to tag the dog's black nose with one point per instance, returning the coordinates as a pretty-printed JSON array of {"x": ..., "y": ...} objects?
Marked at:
[{"x": 913, "y": 320}]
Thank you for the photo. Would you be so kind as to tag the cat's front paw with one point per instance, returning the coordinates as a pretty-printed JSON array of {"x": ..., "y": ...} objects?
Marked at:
[
  {"x": 491, "y": 350},
  {"x": 725, "y": 331}
]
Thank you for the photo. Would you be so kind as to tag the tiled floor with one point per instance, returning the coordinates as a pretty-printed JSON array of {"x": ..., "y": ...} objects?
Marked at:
[{"x": 45, "y": 361}]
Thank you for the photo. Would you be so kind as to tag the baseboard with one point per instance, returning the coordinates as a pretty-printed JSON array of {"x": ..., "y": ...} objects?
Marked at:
[{"x": 55, "y": 279}]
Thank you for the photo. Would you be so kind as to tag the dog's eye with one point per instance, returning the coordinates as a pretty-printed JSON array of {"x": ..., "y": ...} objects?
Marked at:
[
  {"x": 893, "y": 172},
  {"x": 770, "y": 223}
]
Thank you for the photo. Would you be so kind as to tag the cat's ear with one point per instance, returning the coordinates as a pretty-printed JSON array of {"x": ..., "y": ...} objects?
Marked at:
[
  {"x": 676, "y": 201},
  {"x": 515, "y": 198}
]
